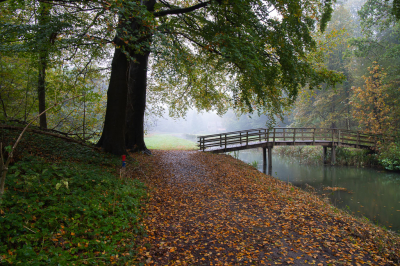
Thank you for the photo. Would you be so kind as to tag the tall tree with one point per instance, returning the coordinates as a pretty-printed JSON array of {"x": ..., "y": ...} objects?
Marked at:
[
  {"x": 329, "y": 107},
  {"x": 370, "y": 103},
  {"x": 264, "y": 54},
  {"x": 257, "y": 49},
  {"x": 44, "y": 40},
  {"x": 57, "y": 35},
  {"x": 380, "y": 45}
]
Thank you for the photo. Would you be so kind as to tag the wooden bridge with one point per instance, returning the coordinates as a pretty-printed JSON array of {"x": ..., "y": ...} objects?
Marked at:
[{"x": 268, "y": 138}]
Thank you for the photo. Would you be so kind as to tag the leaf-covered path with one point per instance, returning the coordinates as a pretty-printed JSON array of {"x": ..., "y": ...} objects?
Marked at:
[{"x": 208, "y": 209}]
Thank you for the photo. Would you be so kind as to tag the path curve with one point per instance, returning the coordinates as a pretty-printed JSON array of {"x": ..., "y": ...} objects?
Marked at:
[{"x": 208, "y": 209}]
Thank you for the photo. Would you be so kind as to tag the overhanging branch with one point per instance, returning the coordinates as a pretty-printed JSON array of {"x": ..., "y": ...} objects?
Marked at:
[{"x": 180, "y": 10}]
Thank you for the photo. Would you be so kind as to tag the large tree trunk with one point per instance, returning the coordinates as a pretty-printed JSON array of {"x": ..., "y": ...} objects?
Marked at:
[
  {"x": 126, "y": 73},
  {"x": 113, "y": 137},
  {"x": 44, "y": 13},
  {"x": 136, "y": 105}
]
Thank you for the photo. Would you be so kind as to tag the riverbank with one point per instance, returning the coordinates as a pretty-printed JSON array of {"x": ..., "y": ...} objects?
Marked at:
[
  {"x": 208, "y": 209},
  {"x": 344, "y": 156}
]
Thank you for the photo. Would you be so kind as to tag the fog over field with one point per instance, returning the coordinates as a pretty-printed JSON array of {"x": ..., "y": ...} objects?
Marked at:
[{"x": 209, "y": 123}]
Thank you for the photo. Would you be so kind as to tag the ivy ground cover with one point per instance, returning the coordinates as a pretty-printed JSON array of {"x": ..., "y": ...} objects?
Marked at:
[{"x": 65, "y": 204}]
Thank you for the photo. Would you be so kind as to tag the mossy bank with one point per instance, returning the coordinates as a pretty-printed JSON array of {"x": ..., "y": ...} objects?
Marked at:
[{"x": 64, "y": 204}]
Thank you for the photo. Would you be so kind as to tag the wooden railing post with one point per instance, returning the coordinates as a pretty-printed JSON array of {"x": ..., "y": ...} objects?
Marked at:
[
  {"x": 294, "y": 136},
  {"x": 259, "y": 135},
  {"x": 358, "y": 139},
  {"x": 247, "y": 138},
  {"x": 225, "y": 141},
  {"x": 268, "y": 135},
  {"x": 220, "y": 140},
  {"x": 240, "y": 138},
  {"x": 265, "y": 135},
  {"x": 339, "y": 138},
  {"x": 313, "y": 141},
  {"x": 204, "y": 138},
  {"x": 284, "y": 135},
  {"x": 273, "y": 137}
]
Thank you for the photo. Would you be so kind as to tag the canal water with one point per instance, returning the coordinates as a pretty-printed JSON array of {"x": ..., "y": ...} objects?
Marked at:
[{"x": 372, "y": 193}]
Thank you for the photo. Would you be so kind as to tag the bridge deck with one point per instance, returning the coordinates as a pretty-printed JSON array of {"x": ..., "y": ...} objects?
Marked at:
[
  {"x": 268, "y": 144},
  {"x": 268, "y": 138}
]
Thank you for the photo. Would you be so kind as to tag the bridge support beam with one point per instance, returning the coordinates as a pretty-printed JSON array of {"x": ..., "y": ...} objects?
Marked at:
[
  {"x": 264, "y": 160},
  {"x": 324, "y": 154},
  {"x": 333, "y": 155},
  {"x": 269, "y": 160}
]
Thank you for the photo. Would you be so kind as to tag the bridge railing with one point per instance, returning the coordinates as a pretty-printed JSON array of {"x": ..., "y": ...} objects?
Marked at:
[{"x": 295, "y": 135}]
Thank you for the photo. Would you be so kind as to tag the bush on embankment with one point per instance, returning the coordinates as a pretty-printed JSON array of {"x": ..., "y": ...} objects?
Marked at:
[
  {"x": 314, "y": 155},
  {"x": 65, "y": 205},
  {"x": 389, "y": 156}
]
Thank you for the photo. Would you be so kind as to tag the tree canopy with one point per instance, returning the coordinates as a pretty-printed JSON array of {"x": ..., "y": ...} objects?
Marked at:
[{"x": 250, "y": 55}]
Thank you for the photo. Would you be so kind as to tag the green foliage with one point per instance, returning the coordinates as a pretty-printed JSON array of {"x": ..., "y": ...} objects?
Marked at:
[
  {"x": 329, "y": 107},
  {"x": 64, "y": 205},
  {"x": 354, "y": 157},
  {"x": 327, "y": 15},
  {"x": 254, "y": 164},
  {"x": 64, "y": 41},
  {"x": 237, "y": 54},
  {"x": 389, "y": 156}
]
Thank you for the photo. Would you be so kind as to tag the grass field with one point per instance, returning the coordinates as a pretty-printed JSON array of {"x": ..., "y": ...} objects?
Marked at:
[{"x": 168, "y": 142}]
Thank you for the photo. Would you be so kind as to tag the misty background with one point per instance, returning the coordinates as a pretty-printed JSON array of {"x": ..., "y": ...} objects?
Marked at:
[{"x": 203, "y": 123}]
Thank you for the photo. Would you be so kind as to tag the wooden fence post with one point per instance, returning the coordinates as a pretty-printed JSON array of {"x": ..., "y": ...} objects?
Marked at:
[
  {"x": 313, "y": 142},
  {"x": 259, "y": 135},
  {"x": 225, "y": 141},
  {"x": 273, "y": 137},
  {"x": 247, "y": 138},
  {"x": 220, "y": 140},
  {"x": 204, "y": 138},
  {"x": 294, "y": 136},
  {"x": 240, "y": 138}
]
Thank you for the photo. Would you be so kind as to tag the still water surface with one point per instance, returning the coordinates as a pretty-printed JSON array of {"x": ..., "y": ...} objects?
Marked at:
[{"x": 372, "y": 193}]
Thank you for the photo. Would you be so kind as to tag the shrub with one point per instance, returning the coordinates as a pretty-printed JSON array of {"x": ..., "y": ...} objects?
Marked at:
[{"x": 389, "y": 156}]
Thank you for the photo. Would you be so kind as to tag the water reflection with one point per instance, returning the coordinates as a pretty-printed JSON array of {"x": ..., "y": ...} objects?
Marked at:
[{"x": 371, "y": 193}]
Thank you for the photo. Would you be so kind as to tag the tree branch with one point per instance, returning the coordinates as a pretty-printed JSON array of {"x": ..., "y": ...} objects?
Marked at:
[{"x": 180, "y": 10}]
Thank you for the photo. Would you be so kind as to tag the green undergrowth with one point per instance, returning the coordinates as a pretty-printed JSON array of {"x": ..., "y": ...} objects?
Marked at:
[
  {"x": 314, "y": 155},
  {"x": 389, "y": 156},
  {"x": 64, "y": 204},
  {"x": 168, "y": 142}
]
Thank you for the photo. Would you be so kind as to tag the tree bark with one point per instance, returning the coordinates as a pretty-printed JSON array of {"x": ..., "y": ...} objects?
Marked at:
[
  {"x": 42, "y": 89},
  {"x": 43, "y": 57},
  {"x": 126, "y": 73},
  {"x": 113, "y": 137},
  {"x": 134, "y": 136},
  {"x": 136, "y": 105}
]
